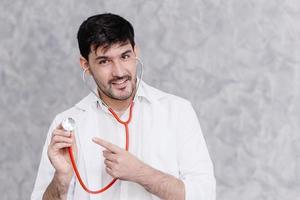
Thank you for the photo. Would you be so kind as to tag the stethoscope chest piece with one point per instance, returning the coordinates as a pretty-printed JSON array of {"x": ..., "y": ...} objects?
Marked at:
[{"x": 68, "y": 124}]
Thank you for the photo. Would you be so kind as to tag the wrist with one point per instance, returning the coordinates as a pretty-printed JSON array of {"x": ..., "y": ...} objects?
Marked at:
[
  {"x": 62, "y": 181},
  {"x": 145, "y": 175}
]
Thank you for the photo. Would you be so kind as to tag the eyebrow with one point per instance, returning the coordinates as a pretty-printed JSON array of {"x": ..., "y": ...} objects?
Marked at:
[{"x": 106, "y": 57}]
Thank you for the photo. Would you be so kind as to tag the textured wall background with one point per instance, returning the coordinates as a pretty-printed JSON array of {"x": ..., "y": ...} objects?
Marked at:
[{"x": 237, "y": 61}]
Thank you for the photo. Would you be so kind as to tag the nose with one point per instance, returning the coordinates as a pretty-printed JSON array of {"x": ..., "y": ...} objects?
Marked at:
[{"x": 118, "y": 68}]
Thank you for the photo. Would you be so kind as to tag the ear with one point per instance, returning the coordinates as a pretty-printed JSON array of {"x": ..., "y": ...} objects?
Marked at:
[
  {"x": 84, "y": 64},
  {"x": 136, "y": 50}
]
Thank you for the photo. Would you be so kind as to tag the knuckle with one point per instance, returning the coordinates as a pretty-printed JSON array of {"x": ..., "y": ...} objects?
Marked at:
[
  {"x": 54, "y": 139},
  {"x": 58, "y": 139},
  {"x": 56, "y": 131},
  {"x": 50, "y": 146},
  {"x": 106, "y": 161},
  {"x": 109, "y": 145},
  {"x": 55, "y": 146},
  {"x": 119, "y": 159},
  {"x": 108, "y": 171},
  {"x": 53, "y": 134}
]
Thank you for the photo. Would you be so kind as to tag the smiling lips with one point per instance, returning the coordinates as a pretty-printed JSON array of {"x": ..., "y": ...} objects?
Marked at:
[{"x": 120, "y": 83}]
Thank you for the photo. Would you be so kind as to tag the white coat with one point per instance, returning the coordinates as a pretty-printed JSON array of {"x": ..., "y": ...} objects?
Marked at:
[{"x": 164, "y": 133}]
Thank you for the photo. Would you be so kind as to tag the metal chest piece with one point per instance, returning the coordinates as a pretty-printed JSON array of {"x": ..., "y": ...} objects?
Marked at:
[{"x": 68, "y": 124}]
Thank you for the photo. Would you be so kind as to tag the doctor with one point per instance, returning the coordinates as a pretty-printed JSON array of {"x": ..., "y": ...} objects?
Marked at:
[{"x": 167, "y": 157}]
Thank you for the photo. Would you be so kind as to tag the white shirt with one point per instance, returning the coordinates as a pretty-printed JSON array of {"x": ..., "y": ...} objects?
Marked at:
[{"x": 164, "y": 133}]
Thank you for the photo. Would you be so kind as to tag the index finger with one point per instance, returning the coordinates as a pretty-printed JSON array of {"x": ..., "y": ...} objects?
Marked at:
[
  {"x": 59, "y": 130},
  {"x": 59, "y": 127},
  {"x": 107, "y": 145}
]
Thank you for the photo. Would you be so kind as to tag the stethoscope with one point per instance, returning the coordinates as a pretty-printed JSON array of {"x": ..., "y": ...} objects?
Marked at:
[{"x": 68, "y": 124}]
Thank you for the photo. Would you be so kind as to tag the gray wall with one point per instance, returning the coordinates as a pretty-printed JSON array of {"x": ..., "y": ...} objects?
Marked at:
[{"x": 237, "y": 61}]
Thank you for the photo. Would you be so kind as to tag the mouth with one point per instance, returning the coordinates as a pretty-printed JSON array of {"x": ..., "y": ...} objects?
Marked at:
[{"x": 120, "y": 83}]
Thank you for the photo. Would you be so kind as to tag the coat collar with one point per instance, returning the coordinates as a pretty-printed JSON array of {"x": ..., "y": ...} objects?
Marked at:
[{"x": 144, "y": 92}]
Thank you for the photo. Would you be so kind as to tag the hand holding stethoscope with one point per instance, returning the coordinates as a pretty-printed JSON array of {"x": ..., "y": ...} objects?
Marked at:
[{"x": 59, "y": 156}]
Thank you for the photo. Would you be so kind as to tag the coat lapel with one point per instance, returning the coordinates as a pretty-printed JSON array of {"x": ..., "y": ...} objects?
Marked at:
[{"x": 89, "y": 154}]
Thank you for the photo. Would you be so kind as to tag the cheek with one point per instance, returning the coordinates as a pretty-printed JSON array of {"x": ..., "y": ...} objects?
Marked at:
[
  {"x": 132, "y": 71},
  {"x": 102, "y": 76}
]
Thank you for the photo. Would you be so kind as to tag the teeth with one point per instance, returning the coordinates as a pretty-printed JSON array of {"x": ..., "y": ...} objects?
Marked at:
[{"x": 119, "y": 81}]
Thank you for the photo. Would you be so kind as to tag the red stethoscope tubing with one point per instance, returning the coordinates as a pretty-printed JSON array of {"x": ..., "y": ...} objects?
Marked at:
[{"x": 125, "y": 123}]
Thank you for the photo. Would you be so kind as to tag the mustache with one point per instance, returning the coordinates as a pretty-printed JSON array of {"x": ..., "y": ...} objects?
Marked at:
[{"x": 127, "y": 77}]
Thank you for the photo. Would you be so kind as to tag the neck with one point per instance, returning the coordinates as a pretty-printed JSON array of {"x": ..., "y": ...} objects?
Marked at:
[{"x": 119, "y": 106}]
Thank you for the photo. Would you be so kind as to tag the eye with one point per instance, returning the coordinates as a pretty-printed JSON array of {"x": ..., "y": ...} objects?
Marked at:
[
  {"x": 126, "y": 56},
  {"x": 103, "y": 62}
]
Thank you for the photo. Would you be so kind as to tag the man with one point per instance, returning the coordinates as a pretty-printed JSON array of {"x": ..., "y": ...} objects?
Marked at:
[{"x": 167, "y": 156}]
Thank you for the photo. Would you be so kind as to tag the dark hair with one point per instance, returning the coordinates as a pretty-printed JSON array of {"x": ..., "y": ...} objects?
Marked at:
[{"x": 104, "y": 30}]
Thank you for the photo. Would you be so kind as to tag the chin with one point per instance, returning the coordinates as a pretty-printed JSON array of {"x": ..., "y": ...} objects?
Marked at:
[
  {"x": 120, "y": 95},
  {"x": 124, "y": 96}
]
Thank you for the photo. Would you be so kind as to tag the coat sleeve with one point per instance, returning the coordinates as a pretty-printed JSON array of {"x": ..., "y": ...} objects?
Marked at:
[
  {"x": 46, "y": 170},
  {"x": 195, "y": 165}
]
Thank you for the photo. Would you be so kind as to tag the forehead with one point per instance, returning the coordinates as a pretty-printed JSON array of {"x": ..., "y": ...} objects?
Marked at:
[{"x": 113, "y": 50}]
